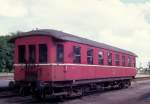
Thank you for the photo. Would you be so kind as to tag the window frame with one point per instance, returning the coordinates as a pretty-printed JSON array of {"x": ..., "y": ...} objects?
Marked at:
[
  {"x": 43, "y": 53},
  {"x": 109, "y": 58},
  {"x": 129, "y": 61},
  {"x": 134, "y": 62},
  {"x": 76, "y": 55},
  {"x": 123, "y": 60},
  {"x": 101, "y": 58},
  {"x": 32, "y": 59},
  {"x": 20, "y": 58},
  {"x": 90, "y": 57},
  {"x": 58, "y": 59},
  {"x": 117, "y": 59}
]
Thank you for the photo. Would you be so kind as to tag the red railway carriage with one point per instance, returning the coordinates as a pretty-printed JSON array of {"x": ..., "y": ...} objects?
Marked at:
[{"x": 63, "y": 64}]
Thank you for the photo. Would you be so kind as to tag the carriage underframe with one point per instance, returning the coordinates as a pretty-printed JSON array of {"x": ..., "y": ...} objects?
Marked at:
[{"x": 64, "y": 89}]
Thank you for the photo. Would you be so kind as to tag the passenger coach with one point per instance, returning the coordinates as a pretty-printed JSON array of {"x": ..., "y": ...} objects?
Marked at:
[{"x": 51, "y": 62}]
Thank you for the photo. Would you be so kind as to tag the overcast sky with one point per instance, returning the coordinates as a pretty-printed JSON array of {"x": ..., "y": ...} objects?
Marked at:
[{"x": 121, "y": 23}]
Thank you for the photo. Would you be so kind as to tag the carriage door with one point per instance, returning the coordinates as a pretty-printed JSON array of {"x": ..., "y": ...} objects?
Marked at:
[
  {"x": 31, "y": 73},
  {"x": 59, "y": 72}
]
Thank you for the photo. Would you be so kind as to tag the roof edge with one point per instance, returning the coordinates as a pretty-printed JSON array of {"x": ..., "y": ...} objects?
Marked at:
[{"x": 69, "y": 37}]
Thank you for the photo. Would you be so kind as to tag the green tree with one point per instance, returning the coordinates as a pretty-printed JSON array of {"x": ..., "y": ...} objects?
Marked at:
[{"x": 6, "y": 53}]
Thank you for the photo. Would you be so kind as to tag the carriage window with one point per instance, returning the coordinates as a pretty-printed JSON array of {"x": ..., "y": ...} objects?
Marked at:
[
  {"x": 21, "y": 53},
  {"x": 77, "y": 54},
  {"x": 117, "y": 60},
  {"x": 90, "y": 56},
  {"x": 123, "y": 61},
  {"x": 134, "y": 62},
  {"x": 109, "y": 58},
  {"x": 129, "y": 61},
  {"x": 32, "y": 50},
  {"x": 100, "y": 58},
  {"x": 60, "y": 53},
  {"x": 134, "y": 65},
  {"x": 42, "y": 53}
]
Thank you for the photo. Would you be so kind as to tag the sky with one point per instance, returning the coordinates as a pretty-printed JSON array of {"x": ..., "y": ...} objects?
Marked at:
[{"x": 121, "y": 23}]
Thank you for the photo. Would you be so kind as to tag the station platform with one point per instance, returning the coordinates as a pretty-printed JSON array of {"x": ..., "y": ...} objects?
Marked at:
[
  {"x": 142, "y": 75},
  {"x": 6, "y": 76}
]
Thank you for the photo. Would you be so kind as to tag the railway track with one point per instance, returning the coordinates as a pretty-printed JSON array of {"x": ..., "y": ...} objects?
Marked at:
[{"x": 6, "y": 92}]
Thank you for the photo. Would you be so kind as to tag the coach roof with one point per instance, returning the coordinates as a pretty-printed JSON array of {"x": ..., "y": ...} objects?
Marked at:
[{"x": 69, "y": 37}]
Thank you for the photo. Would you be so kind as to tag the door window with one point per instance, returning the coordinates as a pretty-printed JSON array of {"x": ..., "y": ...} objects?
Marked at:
[
  {"x": 32, "y": 53},
  {"x": 21, "y": 53},
  {"x": 60, "y": 53},
  {"x": 42, "y": 53}
]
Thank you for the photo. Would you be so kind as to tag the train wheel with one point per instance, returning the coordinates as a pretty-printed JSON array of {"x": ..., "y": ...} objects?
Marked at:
[
  {"x": 121, "y": 85},
  {"x": 82, "y": 92},
  {"x": 128, "y": 84},
  {"x": 22, "y": 91},
  {"x": 101, "y": 87},
  {"x": 39, "y": 94},
  {"x": 36, "y": 96},
  {"x": 42, "y": 95},
  {"x": 62, "y": 98},
  {"x": 11, "y": 85}
]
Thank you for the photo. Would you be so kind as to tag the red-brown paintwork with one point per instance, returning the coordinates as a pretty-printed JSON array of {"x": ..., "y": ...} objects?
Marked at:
[{"x": 62, "y": 72}]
